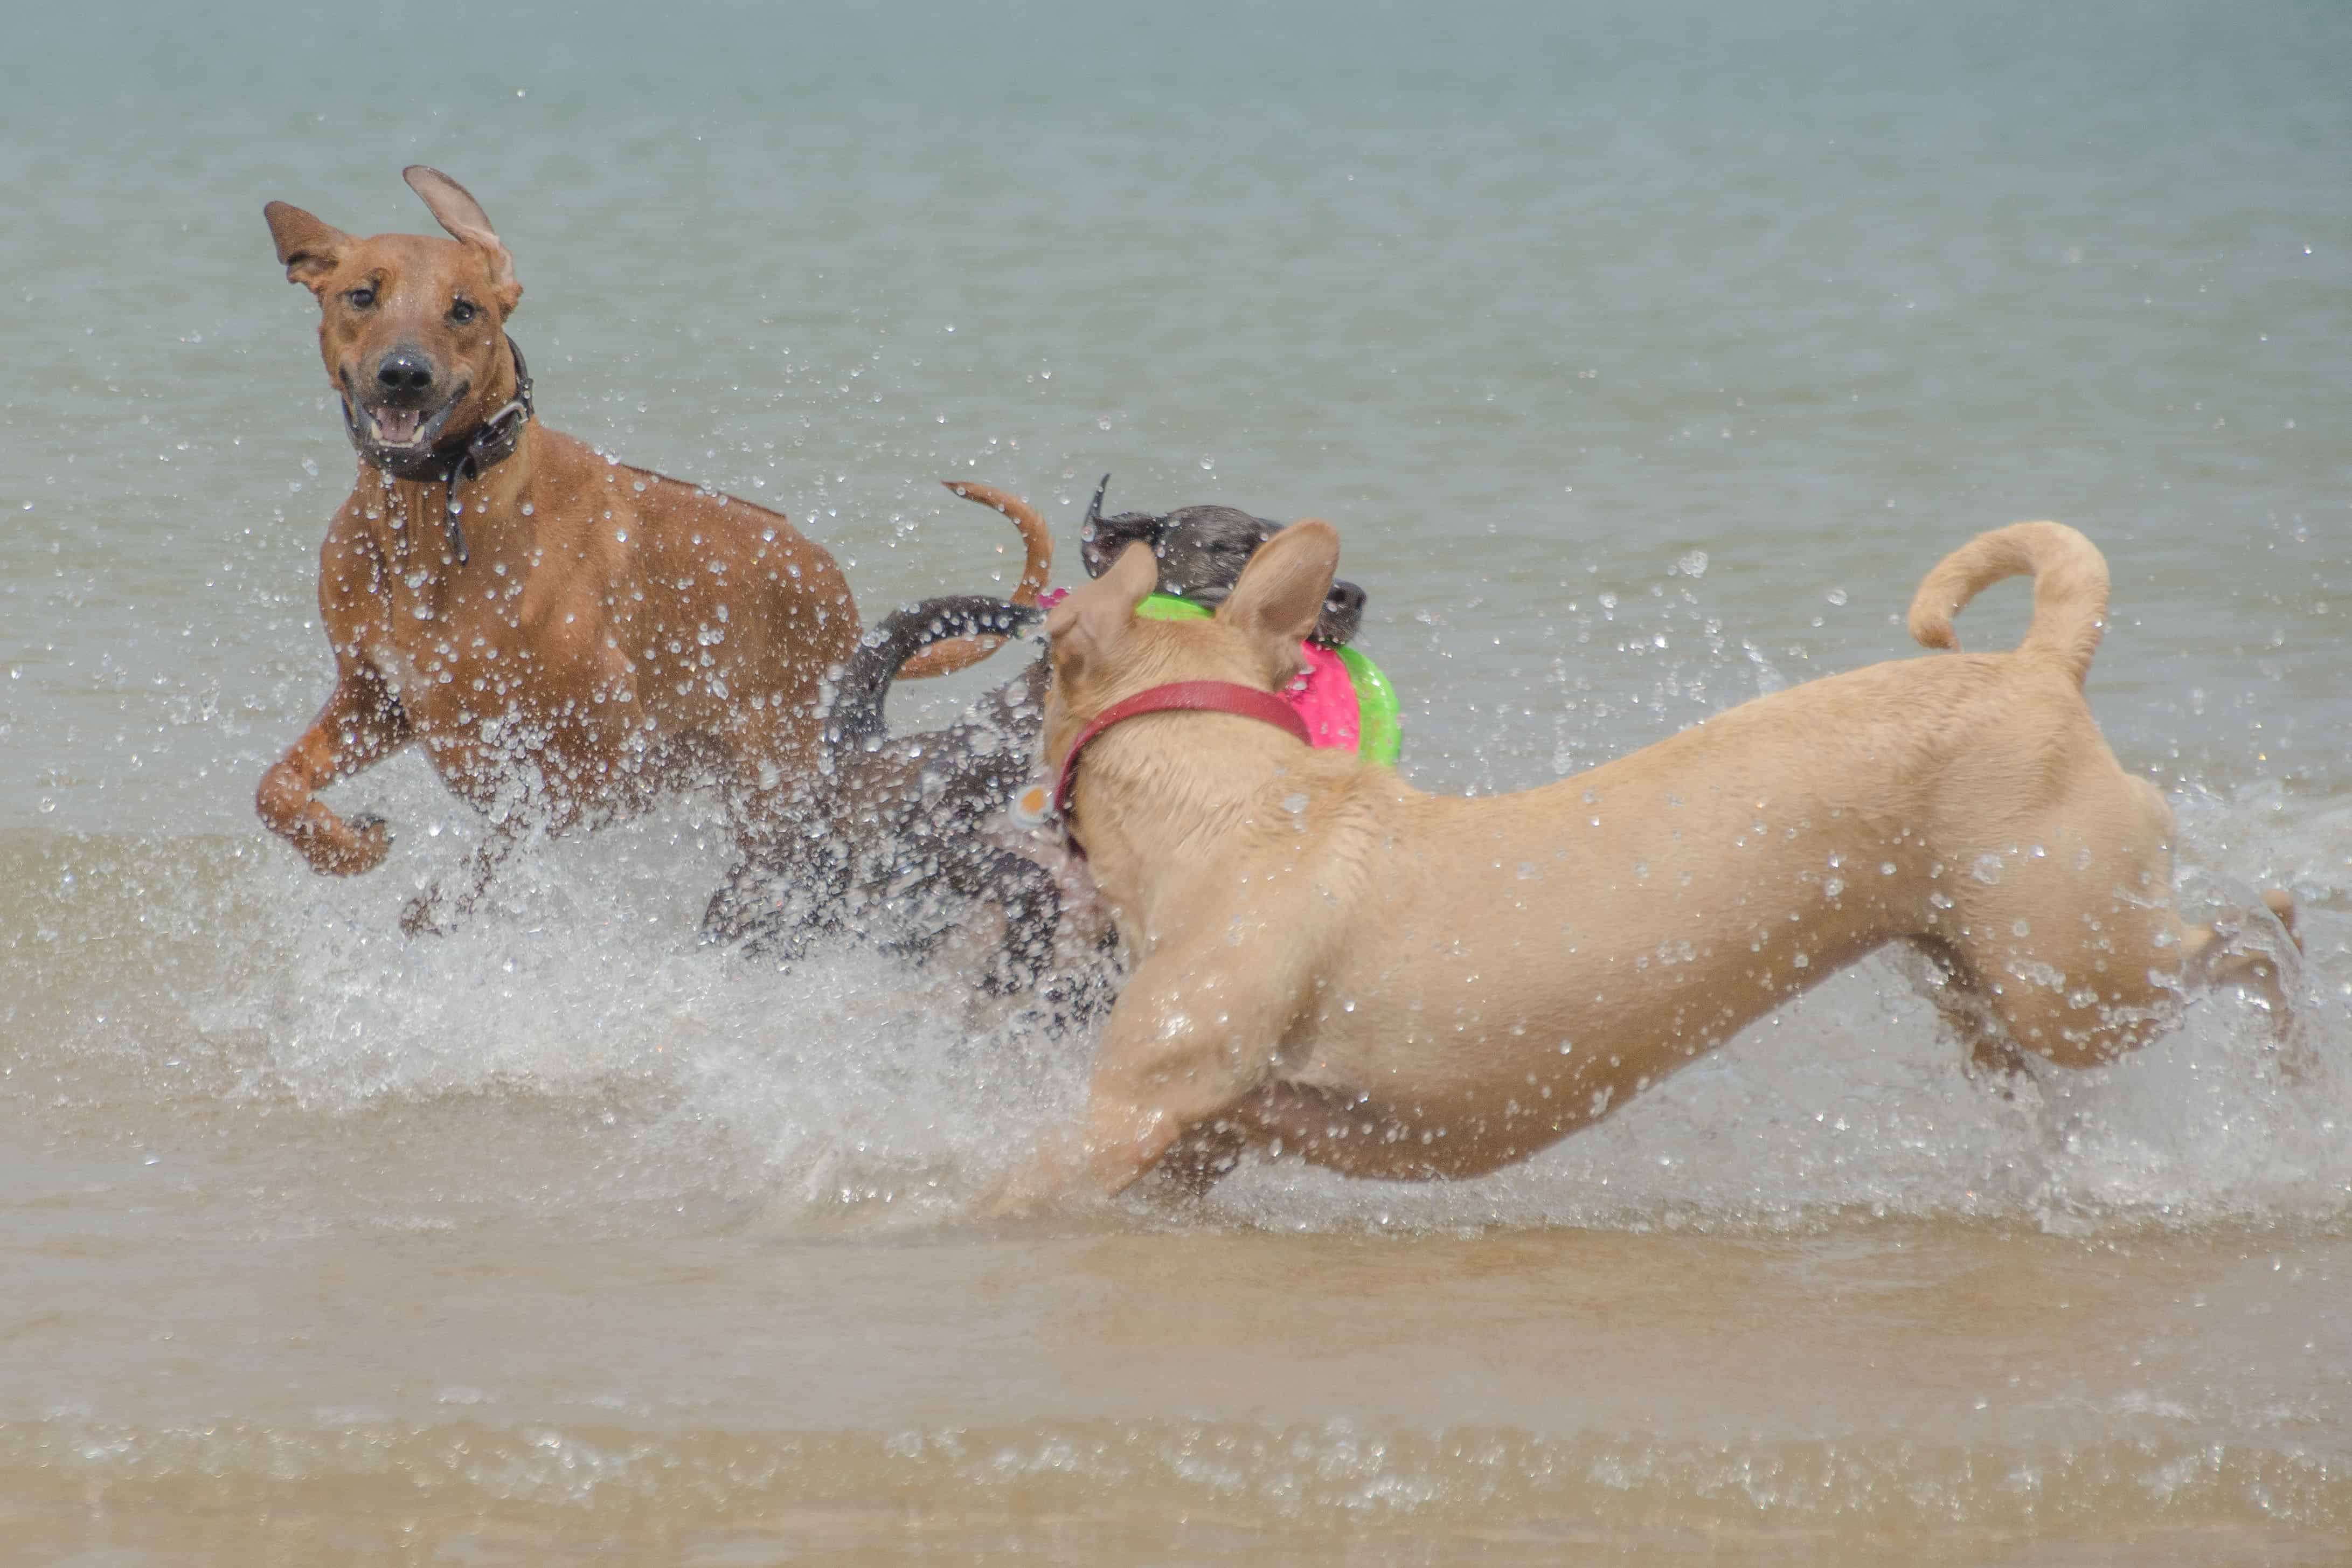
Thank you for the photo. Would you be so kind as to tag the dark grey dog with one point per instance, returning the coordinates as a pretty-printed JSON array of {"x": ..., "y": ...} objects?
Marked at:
[
  {"x": 904, "y": 839},
  {"x": 1202, "y": 551},
  {"x": 897, "y": 839}
]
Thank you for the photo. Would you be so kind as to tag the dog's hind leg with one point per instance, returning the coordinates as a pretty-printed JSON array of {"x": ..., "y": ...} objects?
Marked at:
[
  {"x": 2231, "y": 952},
  {"x": 1944, "y": 978},
  {"x": 775, "y": 907},
  {"x": 743, "y": 907},
  {"x": 436, "y": 911},
  {"x": 2219, "y": 954},
  {"x": 1033, "y": 911},
  {"x": 2079, "y": 981}
]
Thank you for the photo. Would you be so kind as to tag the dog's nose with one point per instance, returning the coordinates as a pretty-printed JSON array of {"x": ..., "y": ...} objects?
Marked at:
[
  {"x": 404, "y": 373},
  {"x": 1344, "y": 599}
]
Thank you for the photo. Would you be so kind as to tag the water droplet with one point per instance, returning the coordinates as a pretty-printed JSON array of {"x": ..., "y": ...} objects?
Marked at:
[
  {"x": 1693, "y": 564},
  {"x": 1835, "y": 595}
]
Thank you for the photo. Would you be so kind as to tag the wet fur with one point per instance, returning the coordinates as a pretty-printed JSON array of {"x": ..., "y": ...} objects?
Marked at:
[
  {"x": 610, "y": 636},
  {"x": 905, "y": 837},
  {"x": 894, "y": 834},
  {"x": 1330, "y": 963}
]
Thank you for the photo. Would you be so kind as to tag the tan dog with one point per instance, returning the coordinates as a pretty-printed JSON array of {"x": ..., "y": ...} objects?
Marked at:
[
  {"x": 567, "y": 637},
  {"x": 1396, "y": 984}
]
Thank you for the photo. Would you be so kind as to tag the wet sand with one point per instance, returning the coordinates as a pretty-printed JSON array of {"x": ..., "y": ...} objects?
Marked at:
[{"x": 1865, "y": 1393}]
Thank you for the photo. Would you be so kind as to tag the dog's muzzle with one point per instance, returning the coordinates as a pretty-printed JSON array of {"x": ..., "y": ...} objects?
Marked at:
[
  {"x": 424, "y": 457},
  {"x": 402, "y": 442}
]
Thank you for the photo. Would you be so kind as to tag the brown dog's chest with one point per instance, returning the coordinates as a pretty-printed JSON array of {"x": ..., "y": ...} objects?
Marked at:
[
  {"x": 559, "y": 689},
  {"x": 508, "y": 698}
]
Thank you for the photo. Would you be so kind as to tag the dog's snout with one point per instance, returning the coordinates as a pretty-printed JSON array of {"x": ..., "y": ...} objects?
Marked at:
[
  {"x": 1343, "y": 612},
  {"x": 405, "y": 372}
]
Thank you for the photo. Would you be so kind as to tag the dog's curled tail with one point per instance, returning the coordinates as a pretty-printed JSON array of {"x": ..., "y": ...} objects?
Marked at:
[
  {"x": 852, "y": 720},
  {"x": 1036, "y": 540},
  {"x": 2070, "y": 590}
]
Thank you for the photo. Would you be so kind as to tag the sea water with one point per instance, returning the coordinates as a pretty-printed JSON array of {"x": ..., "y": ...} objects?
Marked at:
[{"x": 1645, "y": 355}]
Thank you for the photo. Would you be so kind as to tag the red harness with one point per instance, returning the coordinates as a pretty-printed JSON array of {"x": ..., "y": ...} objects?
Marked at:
[{"x": 1179, "y": 697}]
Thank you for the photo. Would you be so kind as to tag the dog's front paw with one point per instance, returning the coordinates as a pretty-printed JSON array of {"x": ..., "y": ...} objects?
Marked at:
[
  {"x": 1053, "y": 1177},
  {"x": 359, "y": 846}
]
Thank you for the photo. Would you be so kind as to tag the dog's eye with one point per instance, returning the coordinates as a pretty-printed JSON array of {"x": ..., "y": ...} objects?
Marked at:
[
  {"x": 361, "y": 297},
  {"x": 464, "y": 311}
]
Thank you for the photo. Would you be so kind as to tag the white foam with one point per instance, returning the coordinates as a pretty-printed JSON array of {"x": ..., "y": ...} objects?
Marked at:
[{"x": 855, "y": 1087}]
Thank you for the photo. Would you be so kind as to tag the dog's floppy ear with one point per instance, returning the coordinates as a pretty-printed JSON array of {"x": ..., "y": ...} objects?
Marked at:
[
  {"x": 1280, "y": 593},
  {"x": 455, "y": 208},
  {"x": 1104, "y": 539},
  {"x": 1096, "y": 614},
  {"x": 309, "y": 248}
]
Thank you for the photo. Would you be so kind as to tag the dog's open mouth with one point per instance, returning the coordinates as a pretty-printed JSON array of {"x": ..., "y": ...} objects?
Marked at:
[
  {"x": 398, "y": 426},
  {"x": 407, "y": 429},
  {"x": 395, "y": 439}
]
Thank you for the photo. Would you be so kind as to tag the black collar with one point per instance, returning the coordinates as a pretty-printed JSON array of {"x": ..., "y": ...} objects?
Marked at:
[{"x": 456, "y": 464}]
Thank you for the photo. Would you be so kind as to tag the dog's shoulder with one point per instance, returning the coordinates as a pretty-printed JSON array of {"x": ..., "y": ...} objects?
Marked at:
[{"x": 674, "y": 531}]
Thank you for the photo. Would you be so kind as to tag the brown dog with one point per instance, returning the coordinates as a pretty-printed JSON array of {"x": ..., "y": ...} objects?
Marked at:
[
  {"x": 567, "y": 637},
  {"x": 1405, "y": 986}
]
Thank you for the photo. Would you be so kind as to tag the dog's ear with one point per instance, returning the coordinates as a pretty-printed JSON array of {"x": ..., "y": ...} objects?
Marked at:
[
  {"x": 309, "y": 248},
  {"x": 1104, "y": 539},
  {"x": 1281, "y": 592},
  {"x": 455, "y": 208},
  {"x": 1093, "y": 615}
]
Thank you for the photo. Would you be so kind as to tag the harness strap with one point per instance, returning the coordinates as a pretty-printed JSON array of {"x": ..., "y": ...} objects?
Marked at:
[{"x": 1179, "y": 697}]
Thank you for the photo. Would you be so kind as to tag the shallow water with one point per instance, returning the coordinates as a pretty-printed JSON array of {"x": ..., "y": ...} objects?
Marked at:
[{"x": 1646, "y": 357}]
